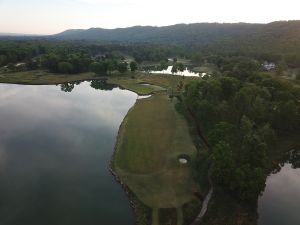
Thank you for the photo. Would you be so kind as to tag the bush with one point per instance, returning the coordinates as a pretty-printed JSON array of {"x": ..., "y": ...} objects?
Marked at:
[{"x": 122, "y": 67}]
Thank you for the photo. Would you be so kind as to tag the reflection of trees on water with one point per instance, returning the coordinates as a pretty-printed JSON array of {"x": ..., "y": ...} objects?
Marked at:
[
  {"x": 292, "y": 157},
  {"x": 102, "y": 85},
  {"x": 67, "y": 87},
  {"x": 96, "y": 84}
]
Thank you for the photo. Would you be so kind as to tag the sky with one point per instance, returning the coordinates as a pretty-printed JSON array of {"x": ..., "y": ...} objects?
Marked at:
[{"x": 54, "y": 16}]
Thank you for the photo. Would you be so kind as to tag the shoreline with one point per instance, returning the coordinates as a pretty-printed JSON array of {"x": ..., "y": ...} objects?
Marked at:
[
  {"x": 130, "y": 195},
  {"x": 135, "y": 202}
]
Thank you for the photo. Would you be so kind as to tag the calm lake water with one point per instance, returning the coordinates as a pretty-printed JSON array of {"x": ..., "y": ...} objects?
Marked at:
[
  {"x": 55, "y": 149},
  {"x": 280, "y": 203}
]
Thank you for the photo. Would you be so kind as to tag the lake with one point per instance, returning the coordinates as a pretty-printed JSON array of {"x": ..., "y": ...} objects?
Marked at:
[
  {"x": 186, "y": 72},
  {"x": 55, "y": 149},
  {"x": 280, "y": 203}
]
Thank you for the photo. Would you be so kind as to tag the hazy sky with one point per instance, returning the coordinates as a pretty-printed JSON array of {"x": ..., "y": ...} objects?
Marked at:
[{"x": 53, "y": 16}]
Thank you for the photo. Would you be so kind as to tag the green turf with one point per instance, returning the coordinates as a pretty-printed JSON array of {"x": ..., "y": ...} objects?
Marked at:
[
  {"x": 43, "y": 77},
  {"x": 136, "y": 85},
  {"x": 151, "y": 138}
]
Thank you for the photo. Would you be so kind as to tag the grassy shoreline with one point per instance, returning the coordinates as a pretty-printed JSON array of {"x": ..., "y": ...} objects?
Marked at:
[
  {"x": 158, "y": 180},
  {"x": 141, "y": 213}
]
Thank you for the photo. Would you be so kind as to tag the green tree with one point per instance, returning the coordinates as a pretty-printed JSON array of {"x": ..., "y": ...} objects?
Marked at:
[
  {"x": 286, "y": 115},
  {"x": 50, "y": 62},
  {"x": 223, "y": 163},
  {"x": 163, "y": 64},
  {"x": 3, "y": 60},
  {"x": 244, "y": 68},
  {"x": 122, "y": 67},
  {"x": 11, "y": 66},
  {"x": 248, "y": 182},
  {"x": 65, "y": 67},
  {"x": 229, "y": 87},
  {"x": 174, "y": 69},
  {"x": 281, "y": 67},
  {"x": 133, "y": 66},
  {"x": 32, "y": 64},
  {"x": 111, "y": 65},
  {"x": 98, "y": 68},
  {"x": 180, "y": 67}
]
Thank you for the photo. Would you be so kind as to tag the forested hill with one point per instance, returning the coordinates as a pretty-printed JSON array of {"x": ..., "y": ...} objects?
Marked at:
[
  {"x": 198, "y": 33},
  {"x": 273, "y": 42},
  {"x": 276, "y": 38},
  {"x": 176, "y": 34}
]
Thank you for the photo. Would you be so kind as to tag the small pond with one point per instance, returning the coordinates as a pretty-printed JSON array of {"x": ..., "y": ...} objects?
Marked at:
[
  {"x": 56, "y": 143},
  {"x": 280, "y": 202},
  {"x": 186, "y": 72}
]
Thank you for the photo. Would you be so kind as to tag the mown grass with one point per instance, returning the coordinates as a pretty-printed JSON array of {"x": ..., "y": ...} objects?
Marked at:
[
  {"x": 206, "y": 68},
  {"x": 151, "y": 138},
  {"x": 43, "y": 77},
  {"x": 135, "y": 85},
  {"x": 40, "y": 77}
]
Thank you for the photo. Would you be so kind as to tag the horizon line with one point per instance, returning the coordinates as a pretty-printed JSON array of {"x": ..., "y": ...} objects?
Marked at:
[{"x": 16, "y": 34}]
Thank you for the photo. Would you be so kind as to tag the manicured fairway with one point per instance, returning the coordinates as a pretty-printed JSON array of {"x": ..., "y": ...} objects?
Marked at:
[
  {"x": 151, "y": 139},
  {"x": 43, "y": 77}
]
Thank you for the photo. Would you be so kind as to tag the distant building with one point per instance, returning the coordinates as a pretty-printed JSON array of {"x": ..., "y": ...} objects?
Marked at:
[{"x": 268, "y": 66}]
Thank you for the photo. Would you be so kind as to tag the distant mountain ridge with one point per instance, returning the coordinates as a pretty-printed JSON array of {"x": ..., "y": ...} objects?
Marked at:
[
  {"x": 179, "y": 33},
  {"x": 282, "y": 37},
  {"x": 11, "y": 34},
  {"x": 17, "y": 35}
]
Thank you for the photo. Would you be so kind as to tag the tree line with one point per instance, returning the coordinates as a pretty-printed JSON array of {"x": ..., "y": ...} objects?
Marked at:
[
  {"x": 242, "y": 114},
  {"x": 62, "y": 57}
]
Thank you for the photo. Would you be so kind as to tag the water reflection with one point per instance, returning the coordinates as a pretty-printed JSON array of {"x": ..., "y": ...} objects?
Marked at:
[
  {"x": 67, "y": 87},
  {"x": 102, "y": 85},
  {"x": 281, "y": 199},
  {"x": 292, "y": 157},
  {"x": 55, "y": 149},
  {"x": 96, "y": 84}
]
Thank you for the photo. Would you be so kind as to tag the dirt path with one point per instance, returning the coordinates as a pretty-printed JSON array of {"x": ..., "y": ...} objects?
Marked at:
[
  {"x": 179, "y": 216},
  {"x": 204, "y": 208},
  {"x": 205, "y": 202},
  {"x": 155, "y": 218}
]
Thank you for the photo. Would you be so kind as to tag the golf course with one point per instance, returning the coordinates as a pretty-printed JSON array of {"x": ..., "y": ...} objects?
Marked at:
[{"x": 152, "y": 138}]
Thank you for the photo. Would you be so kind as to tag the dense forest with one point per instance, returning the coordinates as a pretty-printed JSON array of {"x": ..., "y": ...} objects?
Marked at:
[
  {"x": 245, "y": 39},
  {"x": 241, "y": 118},
  {"x": 220, "y": 44}
]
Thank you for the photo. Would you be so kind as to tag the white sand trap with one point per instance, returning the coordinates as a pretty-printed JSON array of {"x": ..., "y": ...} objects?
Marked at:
[{"x": 183, "y": 161}]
